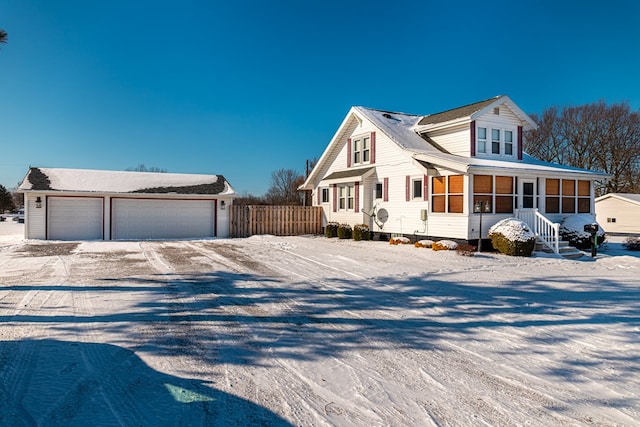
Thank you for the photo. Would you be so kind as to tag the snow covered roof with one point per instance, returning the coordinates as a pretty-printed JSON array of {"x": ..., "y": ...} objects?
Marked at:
[
  {"x": 401, "y": 128},
  {"x": 629, "y": 197},
  {"x": 409, "y": 131},
  {"x": 101, "y": 181}
]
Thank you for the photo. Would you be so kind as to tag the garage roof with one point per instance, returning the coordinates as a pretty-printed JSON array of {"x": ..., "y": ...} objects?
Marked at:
[{"x": 101, "y": 181}]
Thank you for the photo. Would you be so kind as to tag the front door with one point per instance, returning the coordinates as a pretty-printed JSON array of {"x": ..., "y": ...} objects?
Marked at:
[{"x": 527, "y": 193}]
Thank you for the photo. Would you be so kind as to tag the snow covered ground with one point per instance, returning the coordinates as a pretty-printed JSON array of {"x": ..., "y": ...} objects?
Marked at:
[{"x": 313, "y": 331}]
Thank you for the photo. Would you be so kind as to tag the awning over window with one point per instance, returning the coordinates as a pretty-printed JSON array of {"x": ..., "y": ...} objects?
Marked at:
[{"x": 349, "y": 175}]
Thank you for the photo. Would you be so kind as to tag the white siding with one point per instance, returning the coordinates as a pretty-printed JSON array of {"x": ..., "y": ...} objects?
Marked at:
[
  {"x": 35, "y": 218},
  {"x": 454, "y": 140},
  {"x": 626, "y": 214}
]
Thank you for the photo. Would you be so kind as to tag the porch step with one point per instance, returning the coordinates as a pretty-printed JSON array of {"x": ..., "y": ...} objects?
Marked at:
[{"x": 565, "y": 250}]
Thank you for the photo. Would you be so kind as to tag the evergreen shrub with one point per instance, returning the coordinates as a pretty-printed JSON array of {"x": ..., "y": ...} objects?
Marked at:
[
  {"x": 331, "y": 229},
  {"x": 512, "y": 236},
  {"x": 361, "y": 232},
  {"x": 344, "y": 231}
]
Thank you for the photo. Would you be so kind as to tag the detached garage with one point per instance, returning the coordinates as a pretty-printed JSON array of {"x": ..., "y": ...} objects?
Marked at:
[
  {"x": 619, "y": 213},
  {"x": 73, "y": 204}
]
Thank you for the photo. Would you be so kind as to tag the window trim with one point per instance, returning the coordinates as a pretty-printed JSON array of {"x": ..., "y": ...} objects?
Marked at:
[
  {"x": 324, "y": 192},
  {"x": 360, "y": 150},
  {"x": 417, "y": 183},
  {"x": 485, "y": 146},
  {"x": 346, "y": 197},
  {"x": 379, "y": 186}
]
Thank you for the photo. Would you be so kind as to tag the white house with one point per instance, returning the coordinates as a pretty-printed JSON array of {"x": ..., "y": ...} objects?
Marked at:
[
  {"x": 415, "y": 175},
  {"x": 619, "y": 212},
  {"x": 73, "y": 204}
]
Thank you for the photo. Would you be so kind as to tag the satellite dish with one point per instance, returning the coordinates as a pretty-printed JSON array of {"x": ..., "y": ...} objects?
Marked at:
[{"x": 383, "y": 215}]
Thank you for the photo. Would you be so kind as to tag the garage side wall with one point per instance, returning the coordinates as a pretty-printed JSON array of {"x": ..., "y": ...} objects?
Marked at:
[{"x": 35, "y": 218}]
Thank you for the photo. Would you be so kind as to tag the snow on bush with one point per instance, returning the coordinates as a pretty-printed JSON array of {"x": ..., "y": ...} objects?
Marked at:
[
  {"x": 572, "y": 230},
  {"x": 424, "y": 243},
  {"x": 444, "y": 245},
  {"x": 399, "y": 241},
  {"x": 632, "y": 243},
  {"x": 512, "y": 236}
]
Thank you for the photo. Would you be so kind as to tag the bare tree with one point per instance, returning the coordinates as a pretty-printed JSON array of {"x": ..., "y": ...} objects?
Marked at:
[
  {"x": 3, "y": 36},
  {"x": 142, "y": 168},
  {"x": 284, "y": 188},
  {"x": 593, "y": 136}
]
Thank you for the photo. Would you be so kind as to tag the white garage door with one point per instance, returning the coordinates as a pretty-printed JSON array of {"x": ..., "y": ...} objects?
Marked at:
[
  {"x": 162, "y": 219},
  {"x": 74, "y": 218}
]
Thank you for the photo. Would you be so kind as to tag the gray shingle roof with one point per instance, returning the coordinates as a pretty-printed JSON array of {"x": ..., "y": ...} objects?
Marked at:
[{"x": 456, "y": 113}]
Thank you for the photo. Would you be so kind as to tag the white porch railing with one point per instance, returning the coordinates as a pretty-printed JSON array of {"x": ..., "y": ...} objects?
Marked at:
[{"x": 546, "y": 231}]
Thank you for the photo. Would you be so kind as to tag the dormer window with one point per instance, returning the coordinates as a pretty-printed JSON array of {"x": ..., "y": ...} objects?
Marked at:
[
  {"x": 500, "y": 144},
  {"x": 508, "y": 142},
  {"x": 495, "y": 141},
  {"x": 482, "y": 140}
]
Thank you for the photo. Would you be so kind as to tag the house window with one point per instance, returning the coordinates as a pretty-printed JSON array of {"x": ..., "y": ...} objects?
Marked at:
[
  {"x": 366, "y": 149},
  {"x": 483, "y": 190},
  {"x": 345, "y": 197},
  {"x": 568, "y": 196},
  {"x": 508, "y": 142},
  {"x": 447, "y": 194},
  {"x": 455, "y": 189},
  {"x": 379, "y": 188},
  {"x": 505, "y": 194},
  {"x": 325, "y": 195},
  {"x": 361, "y": 150},
  {"x": 482, "y": 140},
  {"x": 438, "y": 194},
  {"x": 416, "y": 186},
  {"x": 502, "y": 141},
  {"x": 611, "y": 220},
  {"x": 552, "y": 199},
  {"x": 495, "y": 141},
  {"x": 584, "y": 196}
]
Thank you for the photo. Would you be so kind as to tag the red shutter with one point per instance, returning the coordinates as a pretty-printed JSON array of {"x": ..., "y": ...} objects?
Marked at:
[
  {"x": 425, "y": 188},
  {"x": 373, "y": 147},
  {"x": 356, "y": 202},
  {"x": 407, "y": 188},
  {"x": 349, "y": 152},
  {"x": 335, "y": 198},
  {"x": 385, "y": 196},
  {"x": 473, "y": 138},
  {"x": 519, "y": 142},
  {"x": 319, "y": 190}
]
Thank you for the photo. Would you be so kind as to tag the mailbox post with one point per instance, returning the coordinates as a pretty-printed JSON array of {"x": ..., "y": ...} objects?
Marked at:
[{"x": 593, "y": 230}]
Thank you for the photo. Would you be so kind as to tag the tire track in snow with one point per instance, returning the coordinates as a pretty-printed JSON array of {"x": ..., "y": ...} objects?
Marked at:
[{"x": 489, "y": 410}]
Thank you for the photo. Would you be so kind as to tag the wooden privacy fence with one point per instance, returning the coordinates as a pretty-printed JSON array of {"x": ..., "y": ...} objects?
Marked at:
[{"x": 249, "y": 220}]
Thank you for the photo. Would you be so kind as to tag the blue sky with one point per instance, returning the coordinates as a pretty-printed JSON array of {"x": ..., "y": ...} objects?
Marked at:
[{"x": 245, "y": 88}]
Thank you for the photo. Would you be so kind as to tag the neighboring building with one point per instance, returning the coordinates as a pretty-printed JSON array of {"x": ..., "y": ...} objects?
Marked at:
[
  {"x": 423, "y": 175},
  {"x": 73, "y": 204},
  {"x": 619, "y": 213}
]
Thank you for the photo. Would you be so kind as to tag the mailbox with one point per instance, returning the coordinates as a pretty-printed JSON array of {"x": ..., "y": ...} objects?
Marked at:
[{"x": 591, "y": 228}]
